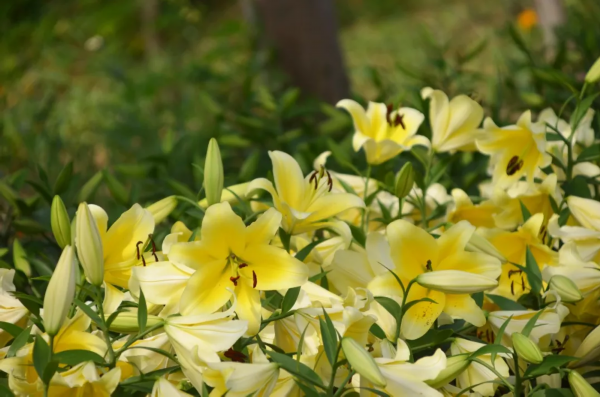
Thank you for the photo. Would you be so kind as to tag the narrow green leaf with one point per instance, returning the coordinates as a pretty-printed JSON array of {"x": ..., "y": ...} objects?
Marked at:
[
  {"x": 142, "y": 312},
  {"x": 296, "y": 368},
  {"x": 89, "y": 312},
  {"x": 74, "y": 357},
  {"x": 41, "y": 355},
  {"x": 534, "y": 275},
  {"x": 303, "y": 253},
  {"x": 116, "y": 188},
  {"x": 591, "y": 153},
  {"x": 581, "y": 110},
  {"x": 90, "y": 187},
  {"x": 390, "y": 305},
  {"x": 329, "y": 336},
  {"x": 12, "y": 329},
  {"x": 289, "y": 299},
  {"x": 531, "y": 323},
  {"x": 285, "y": 239},
  {"x": 549, "y": 365},
  {"x": 19, "y": 342},
  {"x": 49, "y": 371},
  {"x": 525, "y": 212},
  {"x": 489, "y": 349},
  {"x": 63, "y": 179}
]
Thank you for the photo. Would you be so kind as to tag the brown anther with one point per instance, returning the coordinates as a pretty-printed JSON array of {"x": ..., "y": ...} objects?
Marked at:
[
  {"x": 512, "y": 287},
  {"x": 514, "y": 165},
  {"x": 399, "y": 120},
  {"x": 511, "y": 272},
  {"x": 522, "y": 284},
  {"x": 388, "y": 113},
  {"x": 143, "y": 261},
  {"x": 137, "y": 247},
  {"x": 370, "y": 349},
  {"x": 234, "y": 280},
  {"x": 329, "y": 180},
  {"x": 314, "y": 177},
  {"x": 242, "y": 265},
  {"x": 254, "y": 279},
  {"x": 235, "y": 355},
  {"x": 428, "y": 265}
]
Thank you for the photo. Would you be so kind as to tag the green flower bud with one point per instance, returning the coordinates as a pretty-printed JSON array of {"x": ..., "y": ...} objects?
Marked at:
[
  {"x": 478, "y": 243},
  {"x": 20, "y": 258},
  {"x": 60, "y": 222},
  {"x": 60, "y": 292},
  {"x": 162, "y": 208},
  {"x": 362, "y": 362},
  {"x": 404, "y": 181},
  {"x": 455, "y": 365},
  {"x": 89, "y": 245},
  {"x": 566, "y": 288},
  {"x": 589, "y": 350},
  {"x": 213, "y": 173},
  {"x": 593, "y": 74},
  {"x": 127, "y": 322},
  {"x": 526, "y": 348},
  {"x": 580, "y": 386}
]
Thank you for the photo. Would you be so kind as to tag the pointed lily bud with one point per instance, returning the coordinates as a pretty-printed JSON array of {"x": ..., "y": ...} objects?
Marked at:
[
  {"x": 213, "y": 173},
  {"x": 89, "y": 245},
  {"x": 60, "y": 222},
  {"x": 580, "y": 386},
  {"x": 589, "y": 350},
  {"x": 20, "y": 258},
  {"x": 456, "y": 281},
  {"x": 61, "y": 291},
  {"x": 362, "y": 362},
  {"x": 404, "y": 182},
  {"x": 127, "y": 322},
  {"x": 566, "y": 288},
  {"x": 593, "y": 74},
  {"x": 478, "y": 243},
  {"x": 162, "y": 208},
  {"x": 455, "y": 365},
  {"x": 527, "y": 349}
]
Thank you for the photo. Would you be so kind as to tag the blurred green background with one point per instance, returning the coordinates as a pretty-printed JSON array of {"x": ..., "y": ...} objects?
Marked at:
[{"x": 81, "y": 84}]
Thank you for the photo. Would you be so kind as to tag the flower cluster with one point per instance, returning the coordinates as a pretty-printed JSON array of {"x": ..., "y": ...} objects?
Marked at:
[{"x": 333, "y": 284}]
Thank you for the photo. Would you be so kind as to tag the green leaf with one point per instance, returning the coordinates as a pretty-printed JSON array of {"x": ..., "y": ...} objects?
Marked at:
[
  {"x": 296, "y": 368},
  {"x": 41, "y": 355},
  {"x": 289, "y": 299},
  {"x": 181, "y": 189},
  {"x": 581, "y": 110},
  {"x": 303, "y": 253},
  {"x": 29, "y": 226},
  {"x": 90, "y": 187},
  {"x": 525, "y": 212},
  {"x": 358, "y": 234},
  {"x": 412, "y": 303},
  {"x": 548, "y": 366},
  {"x": 564, "y": 216},
  {"x": 390, "y": 305},
  {"x": 74, "y": 357},
  {"x": 12, "y": 329},
  {"x": 32, "y": 303},
  {"x": 578, "y": 186},
  {"x": 285, "y": 238},
  {"x": 249, "y": 166},
  {"x": 142, "y": 312},
  {"x": 531, "y": 323},
  {"x": 63, "y": 179},
  {"x": 534, "y": 275},
  {"x": 591, "y": 153},
  {"x": 89, "y": 312},
  {"x": 329, "y": 336},
  {"x": 116, "y": 188},
  {"x": 552, "y": 393},
  {"x": 490, "y": 349},
  {"x": 49, "y": 371},
  {"x": 433, "y": 337},
  {"x": 42, "y": 190},
  {"x": 19, "y": 342}
]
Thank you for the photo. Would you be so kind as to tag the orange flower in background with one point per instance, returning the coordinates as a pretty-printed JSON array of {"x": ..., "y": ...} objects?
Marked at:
[{"x": 527, "y": 19}]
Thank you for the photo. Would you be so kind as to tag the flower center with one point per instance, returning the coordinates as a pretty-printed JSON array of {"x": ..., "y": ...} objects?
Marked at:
[
  {"x": 395, "y": 121},
  {"x": 514, "y": 165},
  {"x": 236, "y": 264},
  {"x": 317, "y": 176},
  {"x": 428, "y": 267}
]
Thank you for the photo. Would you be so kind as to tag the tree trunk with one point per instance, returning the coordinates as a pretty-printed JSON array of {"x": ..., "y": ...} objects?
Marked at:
[{"x": 304, "y": 33}]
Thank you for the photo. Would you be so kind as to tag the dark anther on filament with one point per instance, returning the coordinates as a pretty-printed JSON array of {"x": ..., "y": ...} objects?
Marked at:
[
  {"x": 389, "y": 110},
  {"x": 254, "y": 279},
  {"x": 153, "y": 247},
  {"x": 137, "y": 247},
  {"x": 235, "y": 355},
  {"x": 234, "y": 280},
  {"x": 428, "y": 265},
  {"x": 514, "y": 165},
  {"x": 242, "y": 265},
  {"x": 522, "y": 283},
  {"x": 329, "y": 181},
  {"x": 511, "y": 272},
  {"x": 399, "y": 120},
  {"x": 512, "y": 287},
  {"x": 143, "y": 261},
  {"x": 314, "y": 177}
]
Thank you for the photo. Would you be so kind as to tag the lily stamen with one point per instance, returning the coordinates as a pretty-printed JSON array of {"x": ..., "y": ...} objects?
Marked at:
[
  {"x": 137, "y": 247},
  {"x": 234, "y": 280},
  {"x": 514, "y": 165},
  {"x": 254, "y": 279}
]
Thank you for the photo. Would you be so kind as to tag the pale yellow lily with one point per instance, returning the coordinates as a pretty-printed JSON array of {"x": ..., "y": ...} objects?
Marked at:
[
  {"x": 516, "y": 150},
  {"x": 139, "y": 359},
  {"x": 480, "y": 215},
  {"x": 302, "y": 201},
  {"x": 382, "y": 132},
  {"x": 11, "y": 309},
  {"x": 84, "y": 380},
  {"x": 454, "y": 123},
  {"x": 548, "y": 322},
  {"x": 163, "y": 388}
]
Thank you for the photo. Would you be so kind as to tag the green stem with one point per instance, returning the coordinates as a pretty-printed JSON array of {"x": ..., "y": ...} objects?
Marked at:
[
  {"x": 341, "y": 390},
  {"x": 334, "y": 368},
  {"x": 365, "y": 221},
  {"x": 137, "y": 337},
  {"x": 99, "y": 305},
  {"x": 517, "y": 390},
  {"x": 498, "y": 374}
]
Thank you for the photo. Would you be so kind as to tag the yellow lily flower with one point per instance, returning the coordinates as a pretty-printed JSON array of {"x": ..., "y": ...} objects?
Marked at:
[
  {"x": 84, "y": 380},
  {"x": 120, "y": 241},
  {"x": 418, "y": 254},
  {"x": 383, "y": 132},
  {"x": 513, "y": 246},
  {"x": 164, "y": 388},
  {"x": 516, "y": 150},
  {"x": 481, "y": 215},
  {"x": 302, "y": 201},
  {"x": 230, "y": 258},
  {"x": 547, "y": 323},
  {"x": 11, "y": 309},
  {"x": 477, "y": 373},
  {"x": 138, "y": 360},
  {"x": 454, "y": 124},
  {"x": 582, "y": 228}
]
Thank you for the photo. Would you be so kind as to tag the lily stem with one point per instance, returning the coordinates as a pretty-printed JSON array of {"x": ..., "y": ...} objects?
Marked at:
[{"x": 365, "y": 221}]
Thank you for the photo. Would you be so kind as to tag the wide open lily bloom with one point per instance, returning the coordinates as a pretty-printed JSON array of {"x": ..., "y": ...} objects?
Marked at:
[
  {"x": 302, "y": 201},
  {"x": 383, "y": 132},
  {"x": 231, "y": 257},
  {"x": 516, "y": 150},
  {"x": 454, "y": 123},
  {"x": 444, "y": 271}
]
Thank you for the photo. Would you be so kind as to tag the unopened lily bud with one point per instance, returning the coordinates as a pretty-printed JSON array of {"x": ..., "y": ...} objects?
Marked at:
[
  {"x": 127, "y": 322},
  {"x": 404, "y": 182},
  {"x": 527, "y": 349},
  {"x": 455, "y": 365},
  {"x": 593, "y": 74},
  {"x": 162, "y": 208},
  {"x": 60, "y": 222},
  {"x": 60, "y": 292},
  {"x": 589, "y": 350},
  {"x": 478, "y": 243},
  {"x": 580, "y": 386},
  {"x": 456, "y": 281},
  {"x": 20, "y": 258},
  {"x": 89, "y": 245},
  {"x": 213, "y": 173},
  {"x": 362, "y": 362},
  {"x": 566, "y": 288}
]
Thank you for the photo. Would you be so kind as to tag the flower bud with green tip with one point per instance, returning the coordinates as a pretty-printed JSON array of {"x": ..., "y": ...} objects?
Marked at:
[
  {"x": 162, "y": 208},
  {"x": 127, "y": 322},
  {"x": 478, "y": 243},
  {"x": 455, "y": 365},
  {"x": 527, "y": 349},
  {"x": 60, "y": 222},
  {"x": 566, "y": 288},
  {"x": 580, "y": 386},
  {"x": 404, "y": 182},
  {"x": 213, "y": 173},
  {"x": 89, "y": 245},
  {"x": 362, "y": 362},
  {"x": 593, "y": 75},
  {"x": 60, "y": 292}
]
